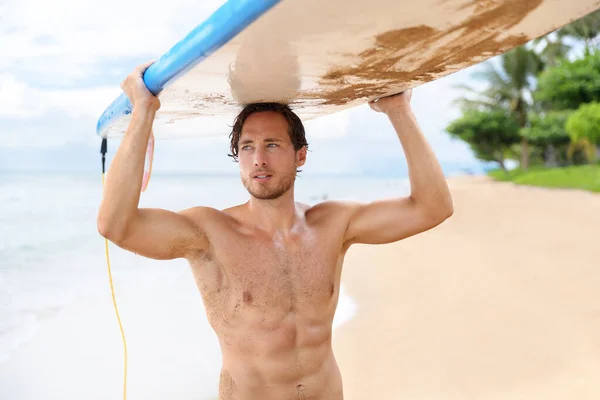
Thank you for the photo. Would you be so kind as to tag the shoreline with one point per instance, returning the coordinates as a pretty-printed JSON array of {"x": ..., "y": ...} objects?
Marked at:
[
  {"x": 172, "y": 350},
  {"x": 345, "y": 312},
  {"x": 473, "y": 308}
]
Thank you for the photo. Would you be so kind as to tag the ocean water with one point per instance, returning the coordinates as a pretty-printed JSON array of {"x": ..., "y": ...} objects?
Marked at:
[{"x": 58, "y": 331}]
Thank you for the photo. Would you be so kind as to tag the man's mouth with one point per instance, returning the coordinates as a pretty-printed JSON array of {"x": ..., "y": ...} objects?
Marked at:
[{"x": 262, "y": 177}]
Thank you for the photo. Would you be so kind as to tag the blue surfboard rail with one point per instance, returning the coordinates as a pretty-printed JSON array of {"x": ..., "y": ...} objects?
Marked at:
[{"x": 222, "y": 26}]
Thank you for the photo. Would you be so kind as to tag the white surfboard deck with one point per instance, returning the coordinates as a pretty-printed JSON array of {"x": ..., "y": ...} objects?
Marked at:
[{"x": 325, "y": 56}]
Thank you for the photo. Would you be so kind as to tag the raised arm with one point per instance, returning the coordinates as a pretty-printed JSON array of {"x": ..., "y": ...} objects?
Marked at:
[
  {"x": 429, "y": 203},
  {"x": 154, "y": 233}
]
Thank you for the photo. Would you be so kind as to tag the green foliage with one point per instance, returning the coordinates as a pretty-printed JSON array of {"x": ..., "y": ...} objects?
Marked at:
[
  {"x": 585, "y": 29},
  {"x": 509, "y": 82},
  {"x": 547, "y": 128},
  {"x": 585, "y": 177},
  {"x": 526, "y": 110},
  {"x": 583, "y": 127},
  {"x": 489, "y": 133},
  {"x": 509, "y": 87},
  {"x": 553, "y": 51},
  {"x": 513, "y": 174},
  {"x": 585, "y": 123},
  {"x": 570, "y": 84}
]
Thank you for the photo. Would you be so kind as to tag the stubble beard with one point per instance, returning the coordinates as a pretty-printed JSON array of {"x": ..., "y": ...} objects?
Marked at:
[{"x": 271, "y": 190}]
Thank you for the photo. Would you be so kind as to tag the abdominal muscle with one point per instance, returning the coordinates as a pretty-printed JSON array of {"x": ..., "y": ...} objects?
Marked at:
[{"x": 281, "y": 357}]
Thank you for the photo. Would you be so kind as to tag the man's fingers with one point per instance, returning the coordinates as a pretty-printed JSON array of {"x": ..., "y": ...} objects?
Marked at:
[
  {"x": 373, "y": 105},
  {"x": 143, "y": 67},
  {"x": 137, "y": 73}
]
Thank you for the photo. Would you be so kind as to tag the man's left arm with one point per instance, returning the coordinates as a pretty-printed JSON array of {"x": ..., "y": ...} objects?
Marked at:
[{"x": 429, "y": 202}]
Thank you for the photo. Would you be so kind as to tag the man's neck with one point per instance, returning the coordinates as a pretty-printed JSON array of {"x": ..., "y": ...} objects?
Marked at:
[{"x": 277, "y": 216}]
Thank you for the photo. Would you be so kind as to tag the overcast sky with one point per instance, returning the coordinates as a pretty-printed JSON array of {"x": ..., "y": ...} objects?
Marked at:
[{"x": 62, "y": 63}]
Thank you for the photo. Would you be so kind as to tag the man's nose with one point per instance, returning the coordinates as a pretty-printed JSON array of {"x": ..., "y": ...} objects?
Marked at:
[{"x": 260, "y": 158}]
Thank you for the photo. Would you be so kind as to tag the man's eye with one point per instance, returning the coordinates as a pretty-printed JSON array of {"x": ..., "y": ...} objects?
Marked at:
[
  {"x": 272, "y": 144},
  {"x": 245, "y": 147}
]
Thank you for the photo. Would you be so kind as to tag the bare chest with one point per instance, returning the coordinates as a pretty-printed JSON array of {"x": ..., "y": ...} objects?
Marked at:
[
  {"x": 283, "y": 276},
  {"x": 258, "y": 280}
]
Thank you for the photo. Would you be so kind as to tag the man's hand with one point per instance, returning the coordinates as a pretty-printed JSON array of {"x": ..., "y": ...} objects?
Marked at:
[
  {"x": 389, "y": 103},
  {"x": 136, "y": 90}
]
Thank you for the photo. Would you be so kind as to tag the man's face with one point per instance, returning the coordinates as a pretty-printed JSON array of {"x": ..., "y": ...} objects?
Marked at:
[{"x": 267, "y": 158}]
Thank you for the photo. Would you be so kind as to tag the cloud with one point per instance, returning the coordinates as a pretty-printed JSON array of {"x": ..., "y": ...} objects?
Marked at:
[
  {"x": 47, "y": 132},
  {"x": 49, "y": 118},
  {"x": 329, "y": 126},
  {"x": 19, "y": 100},
  {"x": 70, "y": 39}
]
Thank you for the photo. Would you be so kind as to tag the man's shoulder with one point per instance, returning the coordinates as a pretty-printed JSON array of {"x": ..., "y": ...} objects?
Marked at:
[
  {"x": 201, "y": 214},
  {"x": 338, "y": 209}
]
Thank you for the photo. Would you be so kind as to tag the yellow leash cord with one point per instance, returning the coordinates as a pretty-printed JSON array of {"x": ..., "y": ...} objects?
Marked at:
[
  {"x": 145, "y": 180},
  {"x": 112, "y": 290}
]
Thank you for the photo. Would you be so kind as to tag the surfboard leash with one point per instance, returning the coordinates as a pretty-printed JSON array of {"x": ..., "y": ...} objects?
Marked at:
[{"x": 103, "y": 150}]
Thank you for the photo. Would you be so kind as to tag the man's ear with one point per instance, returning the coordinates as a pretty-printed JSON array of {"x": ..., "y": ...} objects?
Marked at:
[{"x": 301, "y": 156}]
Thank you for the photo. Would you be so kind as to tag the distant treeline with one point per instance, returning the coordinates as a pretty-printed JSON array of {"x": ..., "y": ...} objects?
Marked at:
[{"x": 540, "y": 102}]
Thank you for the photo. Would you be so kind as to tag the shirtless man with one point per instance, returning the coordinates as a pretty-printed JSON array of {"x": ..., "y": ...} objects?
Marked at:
[{"x": 269, "y": 270}]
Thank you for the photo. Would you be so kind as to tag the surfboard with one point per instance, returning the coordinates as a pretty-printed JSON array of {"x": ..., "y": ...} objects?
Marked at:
[{"x": 325, "y": 56}]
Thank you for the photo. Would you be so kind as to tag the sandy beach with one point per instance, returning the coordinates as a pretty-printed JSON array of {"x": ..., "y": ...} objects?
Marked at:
[{"x": 502, "y": 301}]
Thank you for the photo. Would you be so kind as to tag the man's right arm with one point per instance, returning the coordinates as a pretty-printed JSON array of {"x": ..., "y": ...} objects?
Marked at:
[{"x": 153, "y": 233}]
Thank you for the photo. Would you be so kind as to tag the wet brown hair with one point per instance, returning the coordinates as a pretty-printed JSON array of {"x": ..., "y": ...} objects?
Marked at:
[{"x": 295, "y": 126}]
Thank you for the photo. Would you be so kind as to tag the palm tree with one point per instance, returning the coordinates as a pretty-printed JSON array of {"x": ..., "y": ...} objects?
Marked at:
[
  {"x": 584, "y": 29},
  {"x": 509, "y": 86},
  {"x": 554, "y": 49}
]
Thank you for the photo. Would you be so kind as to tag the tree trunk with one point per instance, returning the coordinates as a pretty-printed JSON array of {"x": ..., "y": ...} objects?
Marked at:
[
  {"x": 522, "y": 115},
  {"x": 503, "y": 167},
  {"x": 524, "y": 154},
  {"x": 551, "y": 157}
]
